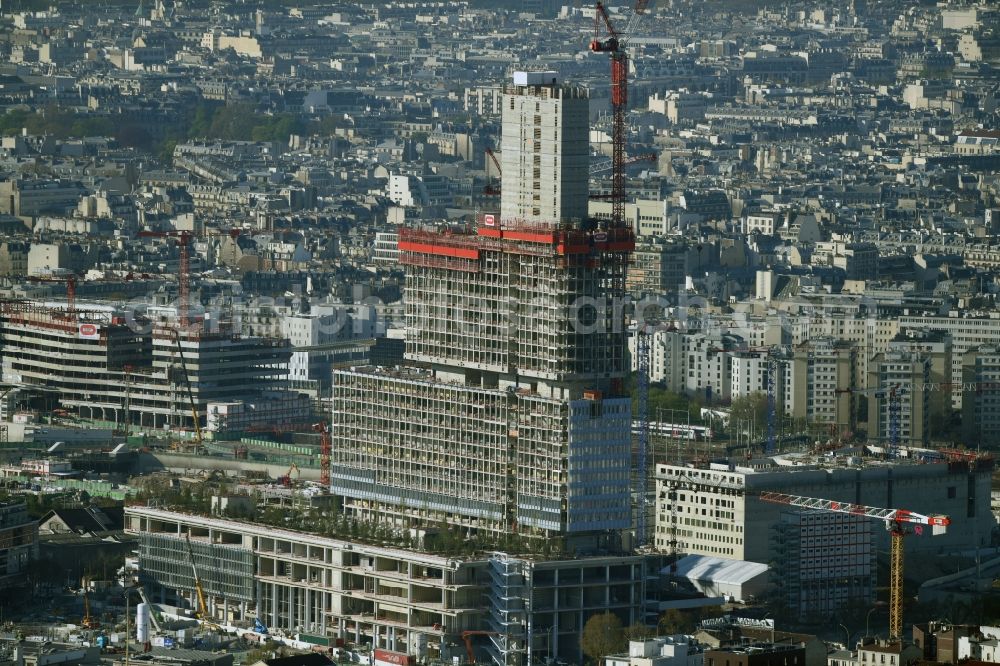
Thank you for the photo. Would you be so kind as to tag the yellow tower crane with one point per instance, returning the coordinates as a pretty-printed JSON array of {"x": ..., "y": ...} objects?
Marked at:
[
  {"x": 899, "y": 523},
  {"x": 89, "y": 621},
  {"x": 202, "y": 606}
]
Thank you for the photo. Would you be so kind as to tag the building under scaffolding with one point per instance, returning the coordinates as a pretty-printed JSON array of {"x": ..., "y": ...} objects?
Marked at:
[
  {"x": 516, "y": 420},
  {"x": 530, "y": 609},
  {"x": 108, "y": 367}
]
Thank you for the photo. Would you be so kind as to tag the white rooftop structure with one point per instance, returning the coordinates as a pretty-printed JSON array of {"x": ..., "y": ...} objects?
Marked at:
[
  {"x": 536, "y": 78},
  {"x": 718, "y": 576}
]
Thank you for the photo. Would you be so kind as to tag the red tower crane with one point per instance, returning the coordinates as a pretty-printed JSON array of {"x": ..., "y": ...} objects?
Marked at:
[
  {"x": 325, "y": 449},
  {"x": 493, "y": 190},
  {"x": 71, "y": 294},
  {"x": 899, "y": 522},
  {"x": 70, "y": 281},
  {"x": 615, "y": 44},
  {"x": 183, "y": 275}
]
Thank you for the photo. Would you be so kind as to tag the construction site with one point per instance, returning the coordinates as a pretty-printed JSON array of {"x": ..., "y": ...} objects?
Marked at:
[
  {"x": 103, "y": 367},
  {"x": 510, "y": 416},
  {"x": 819, "y": 515},
  {"x": 425, "y": 605}
]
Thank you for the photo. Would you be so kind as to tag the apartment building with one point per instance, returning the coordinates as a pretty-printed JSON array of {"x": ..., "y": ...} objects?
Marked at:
[
  {"x": 484, "y": 100},
  {"x": 711, "y": 364},
  {"x": 763, "y": 222},
  {"x": 864, "y": 329},
  {"x": 387, "y": 598},
  {"x": 30, "y": 196},
  {"x": 981, "y": 396},
  {"x": 322, "y": 339},
  {"x": 937, "y": 347},
  {"x": 657, "y": 268},
  {"x": 819, "y": 381},
  {"x": 968, "y": 330},
  {"x": 14, "y": 258},
  {"x": 709, "y": 371},
  {"x": 899, "y": 402},
  {"x": 386, "y": 248},
  {"x": 676, "y": 650},
  {"x": 750, "y": 372},
  {"x": 859, "y": 261},
  {"x": 757, "y": 655},
  {"x": 648, "y": 217}
]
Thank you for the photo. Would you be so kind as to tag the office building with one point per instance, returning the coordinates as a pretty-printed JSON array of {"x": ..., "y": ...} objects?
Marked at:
[
  {"x": 824, "y": 563},
  {"x": 544, "y": 149},
  {"x": 390, "y": 598},
  {"x": 980, "y": 396},
  {"x": 714, "y": 510},
  {"x": 516, "y": 418},
  {"x": 109, "y": 365}
]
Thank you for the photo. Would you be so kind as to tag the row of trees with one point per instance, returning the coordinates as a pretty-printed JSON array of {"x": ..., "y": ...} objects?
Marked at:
[
  {"x": 439, "y": 538},
  {"x": 206, "y": 119}
]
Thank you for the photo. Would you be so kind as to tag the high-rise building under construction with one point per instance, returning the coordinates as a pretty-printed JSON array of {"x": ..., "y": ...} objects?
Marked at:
[{"x": 510, "y": 415}]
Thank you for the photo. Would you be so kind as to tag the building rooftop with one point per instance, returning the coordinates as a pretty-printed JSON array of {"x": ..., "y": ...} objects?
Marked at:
[{"x": 718, "y": 569}]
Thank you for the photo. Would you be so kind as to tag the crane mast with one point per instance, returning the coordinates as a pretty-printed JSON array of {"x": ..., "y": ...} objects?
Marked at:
[
  {"x": 325, "y": 451},
  {"x": 202, "y": 606},
  {"x": 899, "y": 523},
  {"x": 491, "y": 189},
  {"x": 184, "y": 270},
  {"x": 614, "y": 44}
]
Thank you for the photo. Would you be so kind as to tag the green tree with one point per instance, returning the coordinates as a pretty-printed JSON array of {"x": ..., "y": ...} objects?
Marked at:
[
  {"x": 202, "y": 119},
  {"x": 602, "y": 635},
  {"x": 639, "y": 632},
  {"x": 674, "y": 621},
  {"x": 749, "y": 409},
  {"x": 132, "y": 135}
]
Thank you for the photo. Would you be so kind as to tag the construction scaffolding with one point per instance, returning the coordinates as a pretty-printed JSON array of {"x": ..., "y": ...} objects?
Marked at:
[
  {"x": 226, "y": 570},
  {"x": 511, "y": 299},
  {"x": 428, "y": 447},
  {"x": 508, "y": 619},
  {"x": 499, "y": 310}
]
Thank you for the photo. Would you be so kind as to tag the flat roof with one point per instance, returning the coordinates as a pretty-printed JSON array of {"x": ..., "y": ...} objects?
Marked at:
[{"x": 717, "y": 569}]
